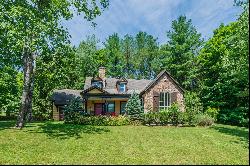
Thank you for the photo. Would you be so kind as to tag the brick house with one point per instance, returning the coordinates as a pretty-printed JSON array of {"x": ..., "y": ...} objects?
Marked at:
[{"x": 108, "y": 96}]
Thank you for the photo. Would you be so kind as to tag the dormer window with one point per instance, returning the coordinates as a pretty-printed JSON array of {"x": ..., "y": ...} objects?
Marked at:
[
  {"x": 122, "y": 87},
  {"x": 97, "y": 83}
]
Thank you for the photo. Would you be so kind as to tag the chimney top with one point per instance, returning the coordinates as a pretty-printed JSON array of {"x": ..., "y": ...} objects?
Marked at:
[{"x": 102, "y": 71}]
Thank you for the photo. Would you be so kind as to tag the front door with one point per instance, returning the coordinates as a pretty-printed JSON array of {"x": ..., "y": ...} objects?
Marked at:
[{"x": 98, "y": 108}]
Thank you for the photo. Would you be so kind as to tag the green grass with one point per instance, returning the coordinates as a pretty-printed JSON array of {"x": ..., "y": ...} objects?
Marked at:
[{"x": 57, "y": 143}]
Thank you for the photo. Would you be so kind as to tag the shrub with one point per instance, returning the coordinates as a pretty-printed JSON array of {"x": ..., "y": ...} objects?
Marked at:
[
  {"x": 203, "y": 120},
  {"x": 101, "y": 120},
  {"x": 134, "y": 108},
  {"x": 164, "y": 117},
  {"x": 175, "y": 114},
  {"x": 193, "y": 107},
  {"x": 237, "y": 116},
  {"x": 213, "y": 112}
]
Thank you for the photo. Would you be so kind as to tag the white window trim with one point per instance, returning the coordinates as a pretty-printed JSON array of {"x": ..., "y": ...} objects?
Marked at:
[{"x": 164, "y": 101}]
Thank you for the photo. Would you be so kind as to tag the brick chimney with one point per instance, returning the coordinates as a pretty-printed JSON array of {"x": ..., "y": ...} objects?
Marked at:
[{"x": 102, "y": 71}]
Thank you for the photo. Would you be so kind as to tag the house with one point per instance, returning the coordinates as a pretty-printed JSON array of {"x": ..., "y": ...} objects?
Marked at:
[{"x": 108, "y": 96}]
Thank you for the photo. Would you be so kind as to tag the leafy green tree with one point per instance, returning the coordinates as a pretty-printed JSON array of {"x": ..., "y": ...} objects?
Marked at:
[
  {"x": 54, "y": 71},
  {"x": 224, "y": 71},
  {"x": 133, "y": 107},
  {"x": 146, "y": 52},
  {"x": 10, "y": 89},
  {"x": 34, "y": 27},
  {"x": 183, "y": 46},
  {"x": 128, "y": 51},
  {"x": 72, "y": 110},
  {"x": 116, "y": 62},
  {"x": 87, "y": 59}
]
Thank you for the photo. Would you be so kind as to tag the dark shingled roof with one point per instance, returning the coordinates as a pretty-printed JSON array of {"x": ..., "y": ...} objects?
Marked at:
[
  {"x": 133, "y": 85},
  {"x": 63, "y": 96}
]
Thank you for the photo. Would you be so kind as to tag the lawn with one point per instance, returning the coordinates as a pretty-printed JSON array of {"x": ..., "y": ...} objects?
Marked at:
[{"x": 57, "y": 143}]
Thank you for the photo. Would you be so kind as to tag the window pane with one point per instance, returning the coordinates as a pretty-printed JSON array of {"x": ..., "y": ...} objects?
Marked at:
[
  {"x": 161, "y": 103},
  {"x": 123, "y": 104},
  {"x": 97, "y": 83},
  {"x": 161, "y": 97},
  {"x": 122, "y": 87},
  {"x": 111, "y": 107},
  {"x": 166, "y": 99},
  {"x": 169, "y": 99}
]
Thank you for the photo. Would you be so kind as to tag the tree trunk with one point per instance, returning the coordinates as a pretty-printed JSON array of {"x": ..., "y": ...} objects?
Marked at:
[{"x": 26, "y": 100}]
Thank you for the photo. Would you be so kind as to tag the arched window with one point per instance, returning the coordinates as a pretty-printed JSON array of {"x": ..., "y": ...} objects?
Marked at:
[{"x": 164, "y": 101}]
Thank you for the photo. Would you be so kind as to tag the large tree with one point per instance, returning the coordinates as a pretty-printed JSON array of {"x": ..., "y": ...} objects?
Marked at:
[
  {"x": 116, "y": 61},
  {"x": 31, "y": 28},
  {"x": 224, "y": 70},
  {"x": 183, "y": 45}
]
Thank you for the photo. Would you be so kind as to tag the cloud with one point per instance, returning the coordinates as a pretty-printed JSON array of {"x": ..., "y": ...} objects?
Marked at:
[{"x": 154, "y": 17}]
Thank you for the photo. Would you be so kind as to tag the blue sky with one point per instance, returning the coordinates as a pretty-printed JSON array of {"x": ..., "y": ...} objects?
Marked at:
[{"x": 153, "y": 17}]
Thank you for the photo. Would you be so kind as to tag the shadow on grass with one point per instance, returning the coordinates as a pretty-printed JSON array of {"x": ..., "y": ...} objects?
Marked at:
[
  {"x": 65, "y": 131},
  {"x": 240, "y": 132},
  {"x": 6, "y": 124}
]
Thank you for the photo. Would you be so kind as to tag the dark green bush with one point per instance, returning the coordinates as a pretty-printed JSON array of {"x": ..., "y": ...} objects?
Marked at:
[
  {"x": 72, "y": 111},
  {"x": 238, "y": 116},
  {"x": 203, "y": 120}
]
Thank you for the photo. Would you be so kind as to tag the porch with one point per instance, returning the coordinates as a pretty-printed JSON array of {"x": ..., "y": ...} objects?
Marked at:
[{"x": 105, "y": 106}]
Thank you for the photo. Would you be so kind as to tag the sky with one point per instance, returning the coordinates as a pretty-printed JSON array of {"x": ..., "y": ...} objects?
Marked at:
[{"x": 154, "y": 17}]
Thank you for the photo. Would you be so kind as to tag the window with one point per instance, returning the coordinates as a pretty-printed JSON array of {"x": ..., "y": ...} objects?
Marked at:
[
  {"x": 111, "y": 107},
  {"x": 97, "y": 83},
  {"x": 122, "y": 87},
  {"x": 164, "y": 101},
  {"x": 123, "y": 104}
]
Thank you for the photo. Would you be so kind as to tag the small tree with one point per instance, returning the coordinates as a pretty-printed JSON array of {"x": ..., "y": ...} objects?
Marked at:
[
  {"x": 193, "y": 106},
  {"x": 71, "y": 112},
  {"x": 133, "y": 107}
]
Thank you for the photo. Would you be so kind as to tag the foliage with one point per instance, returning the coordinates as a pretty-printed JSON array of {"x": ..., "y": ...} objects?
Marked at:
[
  {"x": 172, "y": 115},
  {"x": 180, "y": 51},
  {"x": 133, "y": 107},
  {"x": 224, "y": 70},
  {"x": 88, "y": 59},
  {"x": 193, "y": 106},
  {"x": 175, "y": 114},
  {"x": 213, "y": 112},
  {"x": 101, "y": 120},
  {"x": 203, "y": 120},
  {"x": 10, "y": 90},
  {"x": 158, "y": 118},
  {"x": 72, "y": 110},
  {"x": 238, "y": 116}
]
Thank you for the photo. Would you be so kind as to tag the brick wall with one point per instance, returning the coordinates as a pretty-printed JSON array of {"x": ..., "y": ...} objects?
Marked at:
[{"x": 164, "y": 84}]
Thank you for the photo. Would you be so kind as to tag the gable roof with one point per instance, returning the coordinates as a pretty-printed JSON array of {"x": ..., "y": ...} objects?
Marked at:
[
  {"x": 110, "y": 85},
  {"x": 152, "y": 83},
  {"x": 94, "y": 87}
]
